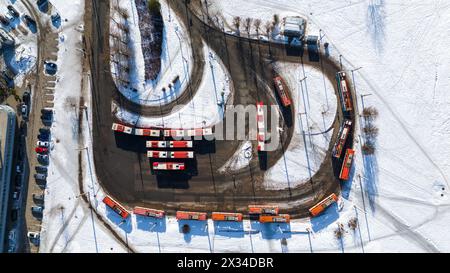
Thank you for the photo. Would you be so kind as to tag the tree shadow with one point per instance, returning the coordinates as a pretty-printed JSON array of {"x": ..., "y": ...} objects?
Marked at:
[
  {"x": 376, "y": 23},
  {"x": 346, "y": 186},
  {"x": 371, "y": 178},
  {"x": 271, "y": 231},
  {"x": 151, "y": 224}
]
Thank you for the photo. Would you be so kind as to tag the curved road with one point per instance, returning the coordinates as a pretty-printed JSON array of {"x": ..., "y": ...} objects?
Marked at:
[{"x": 120, "y": 160}]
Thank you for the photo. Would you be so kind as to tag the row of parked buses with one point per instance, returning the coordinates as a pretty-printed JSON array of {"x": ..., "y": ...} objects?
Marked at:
[
  {"x": 265, "y": 214},
  {"x": 179, "y": 149},
  {"x": 160, "y": 132}
]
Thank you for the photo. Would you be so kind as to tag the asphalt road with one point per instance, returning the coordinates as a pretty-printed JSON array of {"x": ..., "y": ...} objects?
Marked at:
[{"x": 120, "y": 160}]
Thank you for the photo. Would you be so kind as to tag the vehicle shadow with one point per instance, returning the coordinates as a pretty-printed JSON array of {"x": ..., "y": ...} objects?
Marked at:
[
  {"x": 125, "y": 225},
  {"x": 272, "y": 230},
  {"x": 197, "y": 228},
  {"x": 329, "y": 216},
  {"x": 346, "y": 186},
  {"x": 229, "y": 229},
  {"x": 130, "y": 142},
  {"x": 151, "y": 224}
]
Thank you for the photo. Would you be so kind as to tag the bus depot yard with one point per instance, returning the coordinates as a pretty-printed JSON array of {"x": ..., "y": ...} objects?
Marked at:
[{"x": 196, "y": 126}]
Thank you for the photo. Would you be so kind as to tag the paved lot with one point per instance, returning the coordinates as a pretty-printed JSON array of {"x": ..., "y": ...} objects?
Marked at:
[{"x": 121, "y": 163}]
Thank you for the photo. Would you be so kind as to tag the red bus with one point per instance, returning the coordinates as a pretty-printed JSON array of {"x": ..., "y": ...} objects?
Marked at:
[
  {"x": 171, "y": 144},
  {"x": 188, "y": 215},
  {"x": 322, "y": 205},
  {"x": 281, "y": 218},
  {"x": 168, "y": 166},
  {"x": 280, "y": 85},
  {"x": 116, "y": 207},
  {"x": 223, "y": 216},
  {"x": 157, "y": 154},
  {"x": 347, "y": 164},
  {"x": 344, "y": 92},
  {"x": 122, "y": 128},
  {"x": 149, "y": 212},
  {"x": 340, "y": 143},
  {"x": 148, "y": 132},
  {"x": 271, "y": 210}
]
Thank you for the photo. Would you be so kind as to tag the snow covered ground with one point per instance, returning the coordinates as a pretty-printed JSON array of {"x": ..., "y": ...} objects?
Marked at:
[
  {"x": 315, "y": 106},
  {"x": 176, "y": 58},
  {"x": 68, "y": 224},
  {"x": 204, "y": 110},
  {"x": 240, "y": 159},
  {"x": 399, "y": 195}
]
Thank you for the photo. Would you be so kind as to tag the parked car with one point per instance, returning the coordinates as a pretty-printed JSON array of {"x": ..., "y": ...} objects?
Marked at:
[
  {"x": 16, "y": 195},
  {"x": 18, "y": 169},
  {"x": 13, "y": 11},
  {"x": 41, "y": 169},
  {"x": 26, "y": 97},
  {"x": 18, "y": 180},
  {"x": 43, "y": 144},
  {"x": 38, "y": 198},
  {"x": 44, "y": 131},
  {"x": 24, "y": 111},
  {"x": 41, "y": 150},
  {"x": 33, "y": 235},
  {"x": 37, "y": 209},
  {"x": 43, "y": 159},
  {"x": 40, "y": 176},
  {"x": 14, "y": 214},
  {"x": 44, "y": 137}
]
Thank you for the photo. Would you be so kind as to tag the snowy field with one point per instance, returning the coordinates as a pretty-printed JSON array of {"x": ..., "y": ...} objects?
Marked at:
[
  {"x": 176, "y": 58},
  {"x": 399, "y": 195},
  {"x": 204, "y": 110},
  {"x": 68, "y": 224},
  {"x": 315, "y": 106}
]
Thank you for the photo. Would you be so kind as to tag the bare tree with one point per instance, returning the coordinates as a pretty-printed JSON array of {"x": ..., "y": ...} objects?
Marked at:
[
  {"x": 368, "y": 148},
  {"x": 276, "y": 19},
  {"x": 237, "y": 23},
  {"x": 247, "y": 25},
  {"x": 370, "y": 112},
  {"x": 268, "y": 27},
  {"x": 353, "y": 223},
  {"x": 371, "y": 130},
  {"x": 339, "y": 232},
  {"x": 257, "y": 25}
]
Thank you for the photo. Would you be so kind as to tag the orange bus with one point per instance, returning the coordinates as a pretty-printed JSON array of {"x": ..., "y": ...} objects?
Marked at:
[
  {"x": 149, "y": 212},
  {"x": 188, "y": 215},
  {"x": 116, "y": 207},
  {"x": 347, "y": 164},
  {"x": 271, "y": 210},
  {"x": 281, "y": 218},
  {"x": 322, "y": 205},
  {"x": 223, "y": 216}
]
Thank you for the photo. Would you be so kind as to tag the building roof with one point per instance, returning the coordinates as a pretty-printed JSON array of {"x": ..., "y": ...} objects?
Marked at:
[{"x": 7, "y": 132}]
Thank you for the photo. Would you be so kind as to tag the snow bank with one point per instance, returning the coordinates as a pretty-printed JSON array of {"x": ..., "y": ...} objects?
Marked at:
[{"x": 205, "y": 109}]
